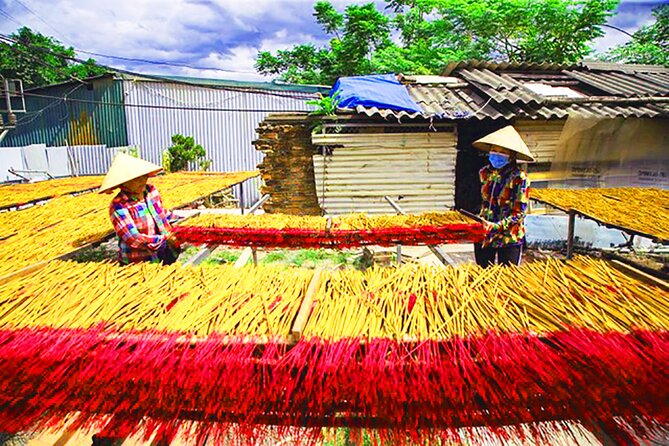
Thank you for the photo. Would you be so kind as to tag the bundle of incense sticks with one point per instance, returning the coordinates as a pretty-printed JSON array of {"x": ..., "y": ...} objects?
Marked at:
[
  {"x": 414, "y": 353},
  {"x": 286, "y": 231}
]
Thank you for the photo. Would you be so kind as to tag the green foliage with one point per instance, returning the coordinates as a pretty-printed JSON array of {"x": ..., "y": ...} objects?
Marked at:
[
  {"x": 434, "y": 32},
  {"x": 40, "y": 60},
  {"x": 309, "y": 258},
  {"x": 273, "y": 257},
  {"x": 183, "y": 151},
  {"x": 221, "y": 257},
  {"x": 357, "y": 35},
  {"x": 325, "y": 105},
  {"x": 650, "y": 44},
  {"x": 129, "y": 150}
]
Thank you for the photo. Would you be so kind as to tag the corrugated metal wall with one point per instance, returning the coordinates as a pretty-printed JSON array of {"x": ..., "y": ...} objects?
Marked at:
[
  {"x": 418, "y": 169},
  {"x": 225, "y": 135},
  {"x": 92, "y": 159},
  {"x": 541, "y": 137},
  {"x": 55, "y": 121}
]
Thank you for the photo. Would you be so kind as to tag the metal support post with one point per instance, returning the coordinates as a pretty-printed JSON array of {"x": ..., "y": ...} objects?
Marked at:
[
  {"x": 399, "y": 254},
  {"x": 258, "y": 203},
  {"x": 439, "y": 254},
  {"x": 570, "y": 234}
]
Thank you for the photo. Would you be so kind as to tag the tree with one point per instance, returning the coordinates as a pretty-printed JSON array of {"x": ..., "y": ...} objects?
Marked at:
[
  {"x": 183, "y": 151},
  {"x": 649, "y": 44},
  {"x": 357, "y": 35},
  {"x": 434, "y": 32},
  {"x": 41, "y": 60}
]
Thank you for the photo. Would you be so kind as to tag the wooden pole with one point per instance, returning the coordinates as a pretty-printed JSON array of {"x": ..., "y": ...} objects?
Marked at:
[
  {"x": 570, "y": 234},
  {"x": 241, "y": 197},
  {"x": 305, "y": 307}
]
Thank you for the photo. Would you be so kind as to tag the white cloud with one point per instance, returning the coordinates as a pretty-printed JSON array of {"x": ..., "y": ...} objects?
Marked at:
[
  {"x": 223, "y": 34},
  {"x": 630, "y": 17}
]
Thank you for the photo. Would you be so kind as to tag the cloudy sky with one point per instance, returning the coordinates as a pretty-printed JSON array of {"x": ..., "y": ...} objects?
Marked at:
[{"x": 221, "y": 34}]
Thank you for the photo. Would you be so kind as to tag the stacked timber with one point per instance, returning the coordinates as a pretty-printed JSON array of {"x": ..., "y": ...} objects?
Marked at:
[{"x": 287, "y": 169}]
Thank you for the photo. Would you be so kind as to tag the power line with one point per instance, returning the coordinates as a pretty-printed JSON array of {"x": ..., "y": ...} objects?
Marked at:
[
  {"x": 618, "y": 29},
  {"x": 9, "y": 16},
  {"x": 171, "y": 64},
  {"x": 40, "y": 18},
  {"x": 160, "y": 78},
  {"x": 32, "y": 116}
]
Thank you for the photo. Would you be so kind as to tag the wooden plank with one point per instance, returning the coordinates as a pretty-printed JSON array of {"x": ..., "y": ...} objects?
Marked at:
[
  {"x": 639, "y": 275},
  {"x": 199, "y": 256},
  {"x": 570, "y": 234},
  {"x": 65, "y": 438},
  {"x": 244, "y": 258},
  {"x": 603, "y": 222},
  {"x": 622, "y": 228},
  {"x": 305, "y": 307},
  {"x": 23, "y": 272}
]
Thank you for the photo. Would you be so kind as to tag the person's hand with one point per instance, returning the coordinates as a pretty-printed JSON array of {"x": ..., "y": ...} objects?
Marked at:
[
  {"x": 487, "y": 226},
  {"x": 172, "y": 239}
]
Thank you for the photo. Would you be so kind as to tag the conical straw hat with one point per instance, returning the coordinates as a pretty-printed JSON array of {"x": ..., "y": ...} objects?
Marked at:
[
  {"x": 126, "y": 168},
  {"x": 505, "y": 138}
]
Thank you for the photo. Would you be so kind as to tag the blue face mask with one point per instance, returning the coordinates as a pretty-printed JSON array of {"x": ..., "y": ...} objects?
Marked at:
[{"x": 498, "y": 160}]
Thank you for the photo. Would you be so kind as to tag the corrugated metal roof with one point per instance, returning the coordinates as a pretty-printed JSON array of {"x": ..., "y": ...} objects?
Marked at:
[
  {"x": 229, "y": 83},
  {"x": 491, "y": 90},
  {"x": 593, "y": 110},
  {"x": 452, "y": 103},
  {"x": 620, "y": 84},
  {"x": 500, "y": 88},
  {"x": 625, "y": 68},
  {"x": 517, "y": 66}
]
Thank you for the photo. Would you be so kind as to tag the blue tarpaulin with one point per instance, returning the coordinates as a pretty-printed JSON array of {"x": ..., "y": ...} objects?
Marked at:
[{"x": 377, "y": 90}]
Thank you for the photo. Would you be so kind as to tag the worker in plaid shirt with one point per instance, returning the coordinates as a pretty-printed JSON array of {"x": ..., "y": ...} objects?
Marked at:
[{"x": 137, "y": 213}]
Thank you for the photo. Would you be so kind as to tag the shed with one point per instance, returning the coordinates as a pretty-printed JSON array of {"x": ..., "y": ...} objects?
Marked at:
[
  {"x": 145, "y": 111},
  {"x": 589, "y": 120}
]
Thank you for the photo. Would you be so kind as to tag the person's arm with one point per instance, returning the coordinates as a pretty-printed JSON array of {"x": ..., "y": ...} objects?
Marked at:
[
  {"x": 485, "y": 191},
  {"x": 157, "y": 202},
  {"x": 518, "y": 206},
  {"x": 126, "y": 229}
]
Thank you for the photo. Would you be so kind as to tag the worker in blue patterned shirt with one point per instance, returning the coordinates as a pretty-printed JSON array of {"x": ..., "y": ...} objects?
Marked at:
[{"x": 505, "y": 197}]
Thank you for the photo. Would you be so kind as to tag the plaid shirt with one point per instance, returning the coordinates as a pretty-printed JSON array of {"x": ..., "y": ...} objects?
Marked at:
[
  {"x": 505, "y": 194},
  {"x": 141, "y": 225}
]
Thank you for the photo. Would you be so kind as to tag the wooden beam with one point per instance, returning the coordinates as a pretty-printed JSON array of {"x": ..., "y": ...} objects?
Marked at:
[
  {"x": 244, "y": 258},
  {"x": 305, "y": 307},
  {"x": 570, "y": 234},
  {"x": 639, "y": 275},
  {"x": 199, "y": 257},
  {"x": 23, "y": 272}
]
